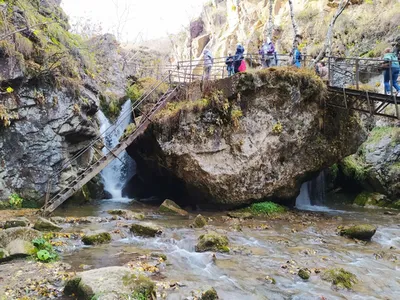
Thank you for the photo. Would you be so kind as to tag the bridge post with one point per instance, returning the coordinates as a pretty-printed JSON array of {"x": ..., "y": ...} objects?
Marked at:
[{"x": 357, "y": 74}]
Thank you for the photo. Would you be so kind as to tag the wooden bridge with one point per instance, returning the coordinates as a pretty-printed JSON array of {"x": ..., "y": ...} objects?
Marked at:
[{"x": 344, "y": 80}]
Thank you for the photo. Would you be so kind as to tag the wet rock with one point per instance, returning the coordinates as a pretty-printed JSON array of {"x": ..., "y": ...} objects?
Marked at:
[
  {"x": 270, "y": 279},
  {"x": 169, "y": 206},
  {"x": 211, "y": 294},
  {"x": 22, "y": 233},
  {"x": 304, "y": 274},
  {"x": 110, "y": 283},
  {"x": 46, "y": 225},
  {"x": 96, "y": 238},
  {"x": 240, "y": 215},
  {"x": 145, "y": 229},
  {"x": 58, "y": 220},
  {"x": 340, "y": 278},
  {"x": 212, "y": 241},
  {"x": 199, "y": 222},
  {"x": 371, "y": 200},
  {"x": 159, "y": 255},
  {"x": 20, "y": 248},
  {"x": 126, "y": 214},
  {"x": 19, "y": 222},
  {"x": 361, "y": 232}
]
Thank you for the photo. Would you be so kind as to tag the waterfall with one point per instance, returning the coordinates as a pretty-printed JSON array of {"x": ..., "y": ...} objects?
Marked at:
[
  {"x": 121, "y": 169},
  {"x": 312, "y": 193}
]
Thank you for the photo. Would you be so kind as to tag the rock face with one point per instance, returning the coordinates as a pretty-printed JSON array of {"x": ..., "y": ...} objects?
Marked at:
[
  {"x": 376, "y": 166},
  {"x": 246, "y": 138},
  {"x": 361, "y": 232},
  {"x": 48, "y": 111},
  {"x": 109, "y": 283},
  {"x": 45, "y": 225}
]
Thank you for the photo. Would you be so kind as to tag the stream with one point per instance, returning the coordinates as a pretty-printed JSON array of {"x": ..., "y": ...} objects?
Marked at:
[{"x": 263, "y": 247}]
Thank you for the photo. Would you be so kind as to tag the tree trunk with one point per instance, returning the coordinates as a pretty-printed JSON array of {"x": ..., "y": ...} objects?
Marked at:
[
  {"x": 294, "y": 24},
  {"x": 269, "y": 26},
  {"x": 328, "y": 40}
]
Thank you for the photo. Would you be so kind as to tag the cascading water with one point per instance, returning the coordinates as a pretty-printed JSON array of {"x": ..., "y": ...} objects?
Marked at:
[
  {"x": 312, "y": 193},
  {"x": 121, "y": 169}
]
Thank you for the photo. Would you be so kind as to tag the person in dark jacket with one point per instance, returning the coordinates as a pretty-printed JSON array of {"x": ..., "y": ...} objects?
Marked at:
[
  {"x": 238, "y": 57},
  {"x": 229, "y": 65}
]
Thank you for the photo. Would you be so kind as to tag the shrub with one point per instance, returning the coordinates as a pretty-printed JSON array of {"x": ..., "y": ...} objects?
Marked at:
[{"x": 15, "y": 200}]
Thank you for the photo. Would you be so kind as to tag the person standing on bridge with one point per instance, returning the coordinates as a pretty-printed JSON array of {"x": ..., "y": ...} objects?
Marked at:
[
  {"x": 208, "y": 63},
  {"x": 239, "y": 56},
  {"x": 268, "y": 50},
  {"x": 297, "y": 56},
  {"x": 392, "y": 69},
  {"x": 229, "y": 65}
]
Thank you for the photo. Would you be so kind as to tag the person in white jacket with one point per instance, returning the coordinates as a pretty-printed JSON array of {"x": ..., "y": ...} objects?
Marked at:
[{"x": 208, "y": 63}]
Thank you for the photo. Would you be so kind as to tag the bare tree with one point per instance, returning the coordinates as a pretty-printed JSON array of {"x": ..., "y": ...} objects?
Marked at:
[
  {"x": 328, "y": 40},
  {"x": 269, "y": 26},
  {"x": 294, "y": 24}
]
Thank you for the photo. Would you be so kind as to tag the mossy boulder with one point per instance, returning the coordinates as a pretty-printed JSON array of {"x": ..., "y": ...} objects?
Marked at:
[
  {"x": 199, "y": 222},
  {"x": 19, "y": 222},
  {"x": 212, "y": 241},
  {"x": 371, "y": 200},
  {"x": 210, "y": 294},
  {"x": 304, "y": 274},
  {"x": 145, "y": 229},
  {"x": 159, "y": 255},
  {"x": 46, "y": 225},
  {"x": 361, "y": 232},
  {"x": 96, "y": 238},
  {"x": 340, "y": 278},
  {"x": 170, "y": 207},
  {"x": 110, "y": 283}
]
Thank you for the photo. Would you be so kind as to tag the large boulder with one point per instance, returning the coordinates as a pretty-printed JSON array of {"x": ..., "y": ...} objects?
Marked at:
[
  {"x": 361, "y": 232},
  {"x": 199, "y": 222},
  {"x": 145, "y": 229},
  {"x": 170, "y": 207},
  {"x": 371, "y": 200},
  {"x": 110, "y": 283},
  {"x": 42, "y": 224},
  {"x": 212, "y": 241},
  {"x": 18, "y": 233},
  {"x": 245, "y": 138},
  {"x": 20, "y": 248}
]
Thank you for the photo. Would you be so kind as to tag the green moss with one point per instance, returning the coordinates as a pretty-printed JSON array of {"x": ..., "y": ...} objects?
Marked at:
[
  {"x": 199, "y": 221},
  {"x": 378, "y": 133},
  {"x": 143, "y": 287},
  {"x": 371, "y": 199},
  {"x": 340, "y": 278},
  {"x": 353, "y": 167},
  {"x": 96, "y": 239},
  {"x": 304, "y": 274},
  {"x": 360, "y": 232},
  {"x": 266, "y": 208},
  {"x": 146, "y": 230},
  {"x": 211, "y": 294},
  {"x": 212, "y": 241}
]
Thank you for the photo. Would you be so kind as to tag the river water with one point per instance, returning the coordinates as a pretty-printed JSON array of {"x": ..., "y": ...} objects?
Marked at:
[{"x": 264, "y": 247}]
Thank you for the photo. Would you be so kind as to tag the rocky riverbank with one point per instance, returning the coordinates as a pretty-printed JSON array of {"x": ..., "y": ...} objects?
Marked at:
[{"x": 247, "y": 255}]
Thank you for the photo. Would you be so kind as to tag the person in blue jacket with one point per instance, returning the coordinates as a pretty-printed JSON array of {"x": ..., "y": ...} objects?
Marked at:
[
  {"x": 238, "y": 57},
  {"x": 297, "y": 56}
]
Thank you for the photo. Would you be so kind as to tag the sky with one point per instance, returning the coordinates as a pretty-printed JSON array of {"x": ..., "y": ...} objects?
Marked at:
[{"x": 135, "y": 20}]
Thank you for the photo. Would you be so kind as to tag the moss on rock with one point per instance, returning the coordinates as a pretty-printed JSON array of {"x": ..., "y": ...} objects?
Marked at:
[
  {"x": 199, "y": 222},
  {"x": 170, "y": 207},
  {"x": 45, "y": 225},
  {"x": 96, "y": 239},
  {"x": 210, "y": 294},
  {"x": 145, "y": 229},
  {"x": 340, "y": 278},
  {"x": 371, "y": 200},
  {"x": 304, "y": 274},
  {"x": 212, "y": 241},
  {"x": 20, "y": 222},
  {"x": 361, "y": 232}
]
